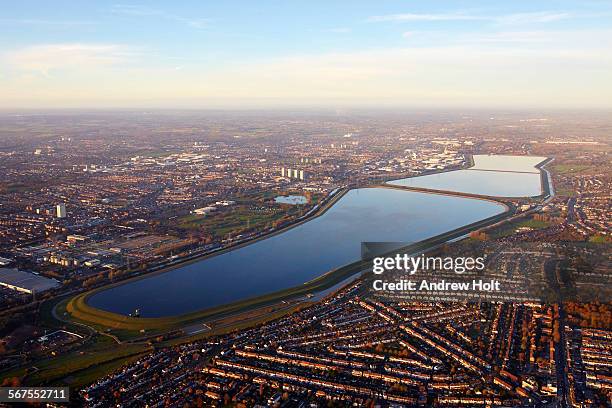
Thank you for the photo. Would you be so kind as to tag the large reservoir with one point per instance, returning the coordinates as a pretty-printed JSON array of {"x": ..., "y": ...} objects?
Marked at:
[
  {"x": 296, "y": 255},
  {"x": 491, "y": 175}
]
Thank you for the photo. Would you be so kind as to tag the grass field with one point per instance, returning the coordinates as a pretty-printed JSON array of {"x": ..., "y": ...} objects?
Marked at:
[
  {"x": 97, "y": 357},
  {"x": 90, "y": 374},
  {"x": 510, "y": 228},
  {"x": 254, "y": 212},
  {"x": 239, "y": 218},
  {"x": 53, "y": 370},
  {"x": 572, "y": 169}
]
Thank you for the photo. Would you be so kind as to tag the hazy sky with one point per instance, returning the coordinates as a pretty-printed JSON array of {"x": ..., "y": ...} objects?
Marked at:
[{"x": 199, "y": 54}]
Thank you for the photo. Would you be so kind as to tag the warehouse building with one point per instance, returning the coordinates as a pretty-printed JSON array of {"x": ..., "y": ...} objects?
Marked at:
[{"x": 25, "y": 282}]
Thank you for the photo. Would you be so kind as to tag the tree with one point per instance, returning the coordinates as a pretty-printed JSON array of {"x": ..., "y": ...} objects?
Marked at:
[{"x": 11, "y": 382}]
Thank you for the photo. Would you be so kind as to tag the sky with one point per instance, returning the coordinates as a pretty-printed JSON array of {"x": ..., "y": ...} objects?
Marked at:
[{"x": 259, "y": 54}]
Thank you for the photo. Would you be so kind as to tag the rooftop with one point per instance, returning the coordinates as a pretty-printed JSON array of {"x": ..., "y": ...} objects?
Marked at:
[{"x": 25, "y": 281}]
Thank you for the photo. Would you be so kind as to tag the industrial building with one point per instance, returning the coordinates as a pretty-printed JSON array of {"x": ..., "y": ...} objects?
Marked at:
[{"x": 26, "y": 282}]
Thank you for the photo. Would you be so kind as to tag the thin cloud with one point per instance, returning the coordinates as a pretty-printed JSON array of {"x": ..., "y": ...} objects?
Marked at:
[
  {"x": 530, "y": 18},
  {"x": 423, "y": 17},
  {"x": 475, "y": 74},
  {"x": 143, "y": 11},
  {"x": 34, "y": 22},
  {"x": 135, "y": 10},
  {"x": 194, "y": 22},
  {"x": 509, "y": 19},
  {"x": 338, "y": 30},
  {"x": 44, "y": 59},
  {"x": 530, "y": 39},
  {"x": 524, "y": 37}
]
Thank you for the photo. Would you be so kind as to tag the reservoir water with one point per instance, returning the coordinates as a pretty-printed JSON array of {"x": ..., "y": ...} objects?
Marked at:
[
  {"x": 501, "y": 162},
  {"x": 483, "y": 182},
  {"x": 296, "y": 255},
  {"x": 491, "y": 175}
]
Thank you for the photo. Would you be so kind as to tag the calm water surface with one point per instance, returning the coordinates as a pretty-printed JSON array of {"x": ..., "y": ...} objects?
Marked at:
[
  {"x": 491, "y": 175},
  {"x": 299, "y": 254},
  {"x": 490, "y": 183},
  {"x": 507, "y": 163}
]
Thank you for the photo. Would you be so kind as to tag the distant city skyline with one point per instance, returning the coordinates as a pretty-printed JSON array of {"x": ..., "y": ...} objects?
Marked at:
[{"x": 241, "y": 54}]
